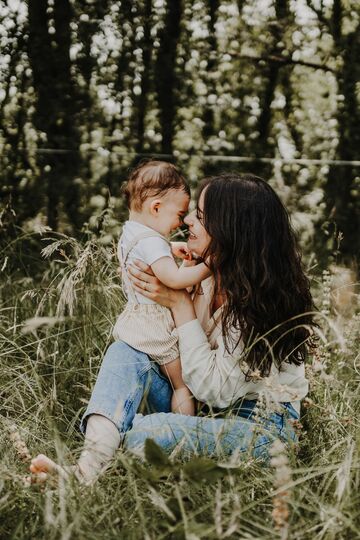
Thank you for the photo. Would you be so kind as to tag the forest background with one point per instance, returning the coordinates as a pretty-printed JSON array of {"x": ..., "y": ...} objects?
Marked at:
[
  {"x": 87, "y": 90},
  {"x": 89, "y": 87}
]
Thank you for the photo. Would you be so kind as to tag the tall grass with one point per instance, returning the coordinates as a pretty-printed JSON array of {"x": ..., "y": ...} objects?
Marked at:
[{"x": 55, "y": 325}]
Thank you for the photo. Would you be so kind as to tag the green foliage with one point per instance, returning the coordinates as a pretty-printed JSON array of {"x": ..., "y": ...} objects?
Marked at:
[
  {"x": 155, "y": 455},
  {"x": 203, "y": 470},
  {"x": 196, "y": 470},
  {"x": 190, "y": 81}
]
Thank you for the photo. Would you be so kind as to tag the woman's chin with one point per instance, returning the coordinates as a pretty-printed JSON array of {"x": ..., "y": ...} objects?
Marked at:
[
  {"x": 194, "y": 252},
  {"x": 192, "y": 247}
]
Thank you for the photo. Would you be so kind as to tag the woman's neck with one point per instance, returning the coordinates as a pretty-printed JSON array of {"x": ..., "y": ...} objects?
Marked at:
[{"x": 218, "y": 300}]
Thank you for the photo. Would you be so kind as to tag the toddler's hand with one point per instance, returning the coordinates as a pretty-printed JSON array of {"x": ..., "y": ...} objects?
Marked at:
[{"x": 180, "y": 250}]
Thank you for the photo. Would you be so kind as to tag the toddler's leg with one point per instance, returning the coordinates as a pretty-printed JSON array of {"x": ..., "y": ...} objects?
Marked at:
[
  {"x": 124, "y": 376},
  {"x": 182, "y": 401},
  {"x": 102, "y": 439}
]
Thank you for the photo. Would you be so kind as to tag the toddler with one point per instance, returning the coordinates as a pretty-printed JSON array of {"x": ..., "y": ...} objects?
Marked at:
[{"x": 158, "y": 198}]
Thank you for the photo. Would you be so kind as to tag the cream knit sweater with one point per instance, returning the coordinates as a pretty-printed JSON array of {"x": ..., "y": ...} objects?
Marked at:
[{"x": 214, "y": 376}]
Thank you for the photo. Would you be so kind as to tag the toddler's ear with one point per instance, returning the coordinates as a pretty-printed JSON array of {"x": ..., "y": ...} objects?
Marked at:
[{"x": 155, "y": 206}]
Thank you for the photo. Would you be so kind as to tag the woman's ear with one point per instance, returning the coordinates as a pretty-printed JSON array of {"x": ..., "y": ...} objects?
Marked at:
[{"x": 155, "y": 207}]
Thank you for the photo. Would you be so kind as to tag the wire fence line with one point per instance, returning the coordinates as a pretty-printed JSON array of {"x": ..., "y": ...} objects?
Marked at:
[{"x": 206, "y": 157}]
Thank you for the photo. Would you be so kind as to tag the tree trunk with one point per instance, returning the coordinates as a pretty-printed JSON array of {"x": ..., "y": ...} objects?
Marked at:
[
  {"x": 126, "y": 27},
  {"x": 56, "y": 106},
  {"x": 142, "y": 100},
  {"x": 165, "y": 73},
  {"x": 208, "y": 115},
  {"x": 271, "y": 80},
  {"x": 289, "y": 93}
]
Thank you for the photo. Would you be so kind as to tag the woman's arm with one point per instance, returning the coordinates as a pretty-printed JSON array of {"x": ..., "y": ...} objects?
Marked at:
[{"x": 212, "y": 374}]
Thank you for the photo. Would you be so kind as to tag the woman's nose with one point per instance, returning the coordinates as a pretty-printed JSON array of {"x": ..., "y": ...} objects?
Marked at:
[{"x": 187, "y": 219}]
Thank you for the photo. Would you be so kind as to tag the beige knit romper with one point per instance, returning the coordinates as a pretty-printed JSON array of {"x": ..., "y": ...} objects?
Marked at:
[{"x": 149, "y": 328}]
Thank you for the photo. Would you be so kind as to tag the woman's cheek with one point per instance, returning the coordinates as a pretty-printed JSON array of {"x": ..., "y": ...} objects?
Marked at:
[
  {"x": 203, "y": 241},
  {"x": 194, "y": 248}
]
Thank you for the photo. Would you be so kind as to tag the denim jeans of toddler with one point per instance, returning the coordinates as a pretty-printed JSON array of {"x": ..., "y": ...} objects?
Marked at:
[{"x": 127, "y": 376}]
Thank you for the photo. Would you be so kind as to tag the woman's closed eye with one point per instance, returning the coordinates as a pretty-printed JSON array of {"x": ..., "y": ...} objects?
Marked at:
[{"x": 199, "y": 214}]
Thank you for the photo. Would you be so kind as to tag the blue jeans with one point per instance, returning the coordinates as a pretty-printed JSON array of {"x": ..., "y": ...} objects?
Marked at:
[{"x": 127, "y": 376}]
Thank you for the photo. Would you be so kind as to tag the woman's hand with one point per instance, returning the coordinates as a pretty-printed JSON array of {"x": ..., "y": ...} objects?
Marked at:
[{"x": 145, "y": 283}]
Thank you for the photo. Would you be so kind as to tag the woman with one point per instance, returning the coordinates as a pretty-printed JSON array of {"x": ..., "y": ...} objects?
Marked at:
[{"x": 242, "y": 338}]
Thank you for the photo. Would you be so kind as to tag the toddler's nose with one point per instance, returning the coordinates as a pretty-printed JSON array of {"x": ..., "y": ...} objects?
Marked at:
[{"x": 187, "y": 220}]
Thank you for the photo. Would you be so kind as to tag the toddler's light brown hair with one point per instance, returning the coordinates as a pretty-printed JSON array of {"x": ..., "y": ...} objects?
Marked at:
[{"x": 150, "y": 179}]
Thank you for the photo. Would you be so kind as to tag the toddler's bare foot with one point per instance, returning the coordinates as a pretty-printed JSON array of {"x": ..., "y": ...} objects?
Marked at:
[
  {"x": 42, "y": 463},
  {"x": 41, "y": 466}
]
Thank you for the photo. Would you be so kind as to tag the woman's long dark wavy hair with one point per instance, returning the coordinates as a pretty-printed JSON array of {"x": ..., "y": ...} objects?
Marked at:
[{"x": 253, "y": 251}]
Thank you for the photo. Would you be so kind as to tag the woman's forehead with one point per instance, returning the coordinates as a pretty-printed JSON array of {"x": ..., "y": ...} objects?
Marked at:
[{"x": 200, "y": 201}]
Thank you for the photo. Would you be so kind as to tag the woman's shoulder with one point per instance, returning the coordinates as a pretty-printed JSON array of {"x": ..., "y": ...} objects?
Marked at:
[
  {"x": 204, "y": 290},
  {"x": 208, "y": 283}
]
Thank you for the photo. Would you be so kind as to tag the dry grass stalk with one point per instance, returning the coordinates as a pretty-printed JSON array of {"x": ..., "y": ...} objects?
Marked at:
[
  {"x": 282, "y": 476},
  {"x": 19, "y": 444},
  {"x": 23, "y": 453}
]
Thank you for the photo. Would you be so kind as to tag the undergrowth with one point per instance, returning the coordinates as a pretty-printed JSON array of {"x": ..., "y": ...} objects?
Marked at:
[{"x": 55, "y": 325}]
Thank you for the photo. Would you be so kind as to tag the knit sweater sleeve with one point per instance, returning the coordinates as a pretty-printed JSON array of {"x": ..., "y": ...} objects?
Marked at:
[{"x": 212, "y": 374}]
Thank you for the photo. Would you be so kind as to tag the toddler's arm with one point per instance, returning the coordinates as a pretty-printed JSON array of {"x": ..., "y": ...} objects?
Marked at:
[{"x": 172, "y": 276}]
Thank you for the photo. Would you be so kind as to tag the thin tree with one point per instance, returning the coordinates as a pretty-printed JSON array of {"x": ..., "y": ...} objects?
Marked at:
[
  {"x": 208, "y": 115},
  {"x": 141, "y": 102},
  {"x": 166, "y": 79}
]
